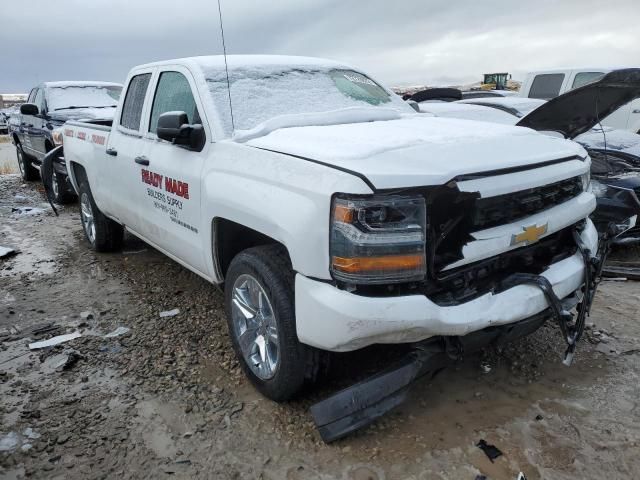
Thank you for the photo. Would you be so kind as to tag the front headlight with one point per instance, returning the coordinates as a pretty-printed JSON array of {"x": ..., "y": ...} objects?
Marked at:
[
  {"x": 57, "y": 136},
  {"x": 378, "y": 239}
]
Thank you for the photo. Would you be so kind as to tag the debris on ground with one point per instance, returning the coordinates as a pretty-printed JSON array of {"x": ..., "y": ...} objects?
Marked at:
[
  {"x": 9, "y": 442},
  {"x": 86, "y": 315},
  {"x": 27, "y": 211},
  {"x": 6, "y": 252},
  {"x": 117, "y": 332},
  {"x": 63, "y": 361},
  {"x": 54, "y": 341},
  {"x": 169, "y": 313},
  {"x": 491, "y": 451}
]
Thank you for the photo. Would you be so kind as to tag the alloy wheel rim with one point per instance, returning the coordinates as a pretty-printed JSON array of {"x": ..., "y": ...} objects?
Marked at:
[
  {"x": 54, "y": 184},
  {"x": 255, "y": 327},
  {"x": 86, "y": 212}
]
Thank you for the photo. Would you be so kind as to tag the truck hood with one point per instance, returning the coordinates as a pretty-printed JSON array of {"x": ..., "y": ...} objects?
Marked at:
[
  {"x": 417, "y": 150},
  {"x": 579, "y": 110},
  {"x": 90, "y": 113}
]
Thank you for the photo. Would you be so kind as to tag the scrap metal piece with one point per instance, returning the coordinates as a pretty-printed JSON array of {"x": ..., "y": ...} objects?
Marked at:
[
  {"x": 491, "y": 451},
  {"x": 361, "y": 404},
  {"x": 54, "y": 341}
]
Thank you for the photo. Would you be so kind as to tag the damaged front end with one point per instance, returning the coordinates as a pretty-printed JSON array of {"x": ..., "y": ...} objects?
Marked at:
[
  {"x": 464, "y": 226},
  {"x": 361, "y": 404}
]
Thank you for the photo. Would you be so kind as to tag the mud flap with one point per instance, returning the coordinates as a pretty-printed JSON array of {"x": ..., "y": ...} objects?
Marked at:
[{"x": 46, "y": 172}]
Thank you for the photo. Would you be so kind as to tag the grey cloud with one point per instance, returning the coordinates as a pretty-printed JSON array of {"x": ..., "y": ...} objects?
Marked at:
[{"x": 413, "y": 41}]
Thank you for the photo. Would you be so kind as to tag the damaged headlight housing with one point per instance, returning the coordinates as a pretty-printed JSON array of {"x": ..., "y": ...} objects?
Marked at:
[
  {"x": 586, "y": 180},
  {"x": 57, "y": 135},
  {"x": 378, "y": 239},
  {"x": 599, "y": 189}
]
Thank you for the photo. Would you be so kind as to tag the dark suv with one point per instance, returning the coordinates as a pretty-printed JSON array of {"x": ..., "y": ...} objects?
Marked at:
[{"x": 48, "y": 107}]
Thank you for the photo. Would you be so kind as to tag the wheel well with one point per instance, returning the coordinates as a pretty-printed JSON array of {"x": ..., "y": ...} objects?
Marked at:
[
  {"x": 78, "y": 173},
  {"x": 231, "y": 238},
  {"x": 48, "y": 146},
  {"x": 15, "y": 139}
]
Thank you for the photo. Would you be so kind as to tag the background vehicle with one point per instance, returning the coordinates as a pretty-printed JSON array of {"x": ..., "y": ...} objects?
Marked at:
[
  {"x": 495, "y": 81},
  {"x": 549, "y": 84},
  {"x": 615, "y": 153},
  {"x": 4, "y": 123},
  {"x": 316, "y": 210},
  {"x": 48, "y": 107}
]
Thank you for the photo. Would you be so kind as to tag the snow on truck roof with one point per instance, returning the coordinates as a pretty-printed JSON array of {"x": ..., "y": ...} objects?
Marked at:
[
  {"x": 212, "y": 62},
  {"x": 80, "y": 83}
]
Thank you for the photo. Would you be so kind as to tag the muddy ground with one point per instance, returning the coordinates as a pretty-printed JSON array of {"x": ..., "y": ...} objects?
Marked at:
[{"x": 167, "y": 399}]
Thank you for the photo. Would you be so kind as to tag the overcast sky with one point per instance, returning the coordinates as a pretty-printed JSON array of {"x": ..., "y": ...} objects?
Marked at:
[{"x": 400, "y": 43}]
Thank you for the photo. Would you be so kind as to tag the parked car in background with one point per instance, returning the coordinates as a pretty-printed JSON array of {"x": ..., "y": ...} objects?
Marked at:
[
  {"x": 48, "y": 107},
  {"x": 548, "y": 84},
  {"x": 615, "y": 153},
  {"x": 4, "y": 123}
]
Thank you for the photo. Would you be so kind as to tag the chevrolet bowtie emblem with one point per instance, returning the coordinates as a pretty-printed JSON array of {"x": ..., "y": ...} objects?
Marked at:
[{"x": 530, "y": 235}]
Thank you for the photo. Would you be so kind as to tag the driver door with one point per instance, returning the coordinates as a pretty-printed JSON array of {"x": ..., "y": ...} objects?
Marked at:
[{"x": 171, "y": 176}]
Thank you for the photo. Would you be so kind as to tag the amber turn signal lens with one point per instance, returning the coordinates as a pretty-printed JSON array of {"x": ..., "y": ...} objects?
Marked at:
[
  {"x": 371, "y": 264},
  {"x": 343, "y": 213}
]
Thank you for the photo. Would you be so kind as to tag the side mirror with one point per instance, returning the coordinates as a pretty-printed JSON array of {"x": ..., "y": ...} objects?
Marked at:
[
  {"x": 29, "y": 109},
  {"x": 413, "y": 104},
  {"x": 174, "y": 127}
]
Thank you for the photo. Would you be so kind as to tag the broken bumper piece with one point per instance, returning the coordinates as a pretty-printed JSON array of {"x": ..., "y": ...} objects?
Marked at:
[{"x": 336, "y": 320}]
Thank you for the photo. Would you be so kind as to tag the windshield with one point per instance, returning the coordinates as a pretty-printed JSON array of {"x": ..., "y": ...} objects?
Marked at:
[
  {"x": 61, "y": 98},
  {"x": 262, "y": 93}
]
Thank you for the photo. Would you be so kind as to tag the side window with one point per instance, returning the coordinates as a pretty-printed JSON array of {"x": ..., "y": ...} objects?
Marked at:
[
  {"x": 584, "y": 78},
  {"x": 134, "y": 101},
  {"x": 39, "y": 100},
  {"x": 546, "y": 86},
  {"x": 173, "y": 94}
]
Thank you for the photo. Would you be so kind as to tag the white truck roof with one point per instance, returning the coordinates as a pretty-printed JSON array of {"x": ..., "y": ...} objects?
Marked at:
[{"x": 80, "y": 83}]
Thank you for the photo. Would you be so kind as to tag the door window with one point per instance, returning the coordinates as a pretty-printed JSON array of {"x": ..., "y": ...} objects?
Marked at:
[
  {"x": 546, "y": 86},
  {"x": 584, "y": 78},
  {"x": 39, "y": 100},
  {"x": 134, "y": 101},
  {"x": 32, "y": 95},
  {"x": 173, "y": 94}
]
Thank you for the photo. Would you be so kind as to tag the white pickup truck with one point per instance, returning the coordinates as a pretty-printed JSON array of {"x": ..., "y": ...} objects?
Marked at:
[
  {"x": 549, "y": 84},
  {"x": 335, "y": 216}
]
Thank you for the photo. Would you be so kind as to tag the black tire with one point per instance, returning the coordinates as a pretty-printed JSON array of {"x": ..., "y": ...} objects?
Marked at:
[
  {"x": 106, "y": 235},
  {"x": 62, "y": 194},
  {"x": 28, "y": 172},
  {"x": 297, "y": 363}
]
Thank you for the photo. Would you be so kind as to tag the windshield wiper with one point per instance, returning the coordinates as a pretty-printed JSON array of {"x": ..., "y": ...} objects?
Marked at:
[{"x": 74, "y": 107}]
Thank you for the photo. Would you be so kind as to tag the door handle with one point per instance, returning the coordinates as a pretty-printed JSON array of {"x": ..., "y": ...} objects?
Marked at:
[
  {"x": 113, "y": 152},
  {"x": 637, "y": 110},
  {"x": 142, "y": 160}
]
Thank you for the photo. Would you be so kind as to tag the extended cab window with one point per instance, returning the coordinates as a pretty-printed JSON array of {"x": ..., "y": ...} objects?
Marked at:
[
  {"x": 134, "y": 100},
  {"x": 173, "y": 94},
  {"x": 546, "y": 86},
  {"x": 584, "y": 78}
]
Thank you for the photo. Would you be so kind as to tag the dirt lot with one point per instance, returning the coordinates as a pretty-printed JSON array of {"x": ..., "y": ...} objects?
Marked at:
[{"x": 167, "y": 398}]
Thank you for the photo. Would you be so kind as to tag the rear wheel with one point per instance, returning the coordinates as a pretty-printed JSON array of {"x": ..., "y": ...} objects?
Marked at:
[
  {"x": 60, "y": 189},
  {"x": 27, "y": 170},
  {"x": 103, "y": 234},
  {"x": 259, "y": 300}
]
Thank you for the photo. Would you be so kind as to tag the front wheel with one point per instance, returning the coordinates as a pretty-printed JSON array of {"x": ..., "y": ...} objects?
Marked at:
[
  {"x": 103, "y": 234},
  {"x": 259, "y": 301},
  {"x": 27, "y": 171}
]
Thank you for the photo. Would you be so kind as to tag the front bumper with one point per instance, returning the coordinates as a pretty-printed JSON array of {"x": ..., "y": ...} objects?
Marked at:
[{"x": 336, "y": 320}]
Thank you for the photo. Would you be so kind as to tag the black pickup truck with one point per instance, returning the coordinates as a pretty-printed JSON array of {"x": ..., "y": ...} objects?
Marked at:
[{"x": 35, "y": 131}]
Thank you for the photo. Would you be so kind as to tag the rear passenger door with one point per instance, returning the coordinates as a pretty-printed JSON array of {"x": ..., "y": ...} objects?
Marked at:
[
  {"x": 119, "y": 178},
  {"x": 171, "y": 194}
]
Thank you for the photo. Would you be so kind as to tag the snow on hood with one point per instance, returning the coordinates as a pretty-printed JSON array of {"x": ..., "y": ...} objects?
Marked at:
[
  {"x": 106, "y": 113},
  {"x": 614, "y": 140},
  {"x": 416, "y": 149}
]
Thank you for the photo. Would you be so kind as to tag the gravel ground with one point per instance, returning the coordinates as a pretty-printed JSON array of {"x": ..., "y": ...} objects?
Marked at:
[{"x": 167, "y": 398}]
